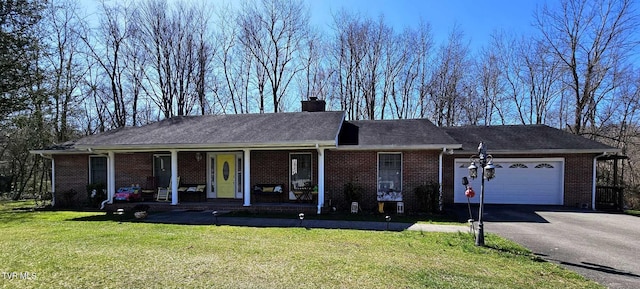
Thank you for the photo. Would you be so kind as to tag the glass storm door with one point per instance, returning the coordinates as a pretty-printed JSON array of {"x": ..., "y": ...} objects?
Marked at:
[{"x": 225, "y": 175}]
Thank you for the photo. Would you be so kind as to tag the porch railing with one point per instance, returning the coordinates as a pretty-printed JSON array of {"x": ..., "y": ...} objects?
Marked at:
[{"x": 609, "y": 198}]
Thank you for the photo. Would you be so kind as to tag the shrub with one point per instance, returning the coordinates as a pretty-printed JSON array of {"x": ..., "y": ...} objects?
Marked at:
[
  {"x": 96, "y": 194},
  {"x": 428, "y": 196},
  {"x": 352, "y": 192},
  {"x": 632, "y": 197},
  {"x": 69, "y": 197}
]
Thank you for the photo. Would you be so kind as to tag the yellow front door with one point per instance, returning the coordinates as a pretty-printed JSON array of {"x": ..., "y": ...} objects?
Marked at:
[{"x": 225, "y": 176}]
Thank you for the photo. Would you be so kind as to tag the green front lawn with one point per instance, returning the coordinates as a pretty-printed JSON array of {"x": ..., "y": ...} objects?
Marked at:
[{"x": 90, "y": 250}]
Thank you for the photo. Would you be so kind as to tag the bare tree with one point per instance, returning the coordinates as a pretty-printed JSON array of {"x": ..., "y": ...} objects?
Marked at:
[
  {"x": 60, "y": 22},
  {"x": 234, "y": 63},
  {"x": 488, "y": 73},
  {"x": 313, "y": 80},
  {"x": 415, "y": 48},
  {"x": 590, "y": 38},
  {"x": 273, "y": 32},
  {"x": 541, "y": 75},
  {"x": 106, "y": 49},
  {"x": 348, "y": 56},
  {"x": 447, "y": 79}
]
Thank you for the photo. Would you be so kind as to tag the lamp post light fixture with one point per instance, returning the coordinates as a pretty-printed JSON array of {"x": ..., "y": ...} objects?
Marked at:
[
  {"x": 388, "y": 219},
  {"x": 488, "y": 172},
  {"x": 215, "y": 215}
]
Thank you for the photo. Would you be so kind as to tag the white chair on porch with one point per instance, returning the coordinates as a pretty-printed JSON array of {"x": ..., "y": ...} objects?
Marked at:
[{"x": 165, "y": 193}]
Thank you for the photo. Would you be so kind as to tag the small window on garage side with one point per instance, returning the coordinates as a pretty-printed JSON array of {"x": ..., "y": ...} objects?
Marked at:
[
  {"x": 544, "y": 166},
  {"x": 98, "y": 170},
  {"x": 518, "y": 166}
]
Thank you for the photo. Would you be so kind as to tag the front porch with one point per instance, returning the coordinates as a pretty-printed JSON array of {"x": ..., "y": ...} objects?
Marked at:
[
  {"x": 218, "y": 205},
  {"x": 288, "y": 179}
]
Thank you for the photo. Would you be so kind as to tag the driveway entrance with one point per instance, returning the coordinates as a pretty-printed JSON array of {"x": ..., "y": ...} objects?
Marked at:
[{"x": 602, "y": 247}]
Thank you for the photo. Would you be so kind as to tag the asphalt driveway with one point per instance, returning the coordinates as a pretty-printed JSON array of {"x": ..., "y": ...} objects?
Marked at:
[{"x": 602, "y": 247}]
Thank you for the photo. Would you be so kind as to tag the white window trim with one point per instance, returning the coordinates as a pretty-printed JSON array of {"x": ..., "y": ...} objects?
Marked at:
[
  {"x": 401, "y": 169},
  {"x": 91, "y": 170},
  {"x": 299, "y": 153}
]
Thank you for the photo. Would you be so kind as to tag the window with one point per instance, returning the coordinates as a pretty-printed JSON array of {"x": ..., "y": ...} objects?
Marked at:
[
  {"x": 544, "y": 166},
  {"x": 389, "y": 177},
  {"x": 300, "y": 166},
  {"x": 97, "y": 170},
  {"x": 518, "y": 166}
]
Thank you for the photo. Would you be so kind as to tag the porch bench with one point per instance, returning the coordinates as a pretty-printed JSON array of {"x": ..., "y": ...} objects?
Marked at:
[
  {"x": 191, "y": 193},
  {"x": 268, "y": 190}
]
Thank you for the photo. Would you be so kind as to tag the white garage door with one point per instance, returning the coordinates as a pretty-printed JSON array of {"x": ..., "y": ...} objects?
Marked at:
[{"x": 517, "y": 181}]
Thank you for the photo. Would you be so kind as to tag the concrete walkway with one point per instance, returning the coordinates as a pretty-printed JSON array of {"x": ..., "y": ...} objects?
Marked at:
[{"x": 207, "y": 218}]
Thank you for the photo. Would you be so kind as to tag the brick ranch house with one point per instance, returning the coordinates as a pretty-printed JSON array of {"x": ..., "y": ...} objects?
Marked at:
[{"x": 307, "y": 158}]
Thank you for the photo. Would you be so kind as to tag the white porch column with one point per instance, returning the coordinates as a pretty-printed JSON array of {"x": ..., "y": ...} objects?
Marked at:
[
  {"x": 111, "y": 176},
  {"x": 53, "y": 182},
  {"x": 174, "y": 177},
  {"x": 320, "y": 179},
  {"x": 247, "y": 177}
]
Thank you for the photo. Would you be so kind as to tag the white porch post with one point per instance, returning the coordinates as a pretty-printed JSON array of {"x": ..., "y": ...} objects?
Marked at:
[
  {"x": 320, "y": 179},
  {"x": 174, "y": 177},
  {"x": 53, "y": 182},
  {"x": 247, "y": 177},
  {"x": 111, "y": 176}
]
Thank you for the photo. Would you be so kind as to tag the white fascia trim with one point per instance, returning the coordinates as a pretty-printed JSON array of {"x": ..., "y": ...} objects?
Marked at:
[
  {"x": 212, "y": 147},
  {"x": 539, "y": 151},
  {"x": 59, "y": 152},
  {"x": 438, "y": 147}
]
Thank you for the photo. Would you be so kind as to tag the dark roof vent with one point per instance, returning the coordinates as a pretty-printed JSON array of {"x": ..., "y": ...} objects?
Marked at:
[{"x": 313, "y": 105}]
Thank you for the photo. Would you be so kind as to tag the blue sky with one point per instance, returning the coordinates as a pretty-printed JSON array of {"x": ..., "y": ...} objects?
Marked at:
[{"x": 476, "y": 18}]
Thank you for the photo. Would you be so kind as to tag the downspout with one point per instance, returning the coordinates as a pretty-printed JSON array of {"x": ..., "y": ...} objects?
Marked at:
[
  {"x": 440, "y": 200},
  {"x": 111, "y": 180},
  {"x": 321, "y": 178},
  {"x": 53, "y": 178},
  {"x": 594, "y": 180}
]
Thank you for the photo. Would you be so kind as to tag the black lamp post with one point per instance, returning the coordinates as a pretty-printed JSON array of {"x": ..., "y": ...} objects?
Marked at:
[{"x": 488, "y": 173}]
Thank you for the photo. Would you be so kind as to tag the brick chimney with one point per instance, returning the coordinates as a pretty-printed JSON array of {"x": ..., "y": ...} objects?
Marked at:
[{"x": 313, "y": 105}]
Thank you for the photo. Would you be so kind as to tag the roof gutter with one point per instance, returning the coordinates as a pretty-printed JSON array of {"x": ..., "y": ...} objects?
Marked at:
[
  {"x": 543, "y": 151},
  {"x": 448, "y": 147},
  {"x": 200, "y": 147}
]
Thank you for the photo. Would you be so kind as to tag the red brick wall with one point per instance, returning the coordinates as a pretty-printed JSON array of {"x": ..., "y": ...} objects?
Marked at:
[
  {"x": 360, "y": 167},
  {"x": 190, "y": 170},
  {"x": 578, "y": 180},
  {"x": 71, "y": 173},
  {"x": 578, "y": 176},
  {"x": 133, "y": 168}
]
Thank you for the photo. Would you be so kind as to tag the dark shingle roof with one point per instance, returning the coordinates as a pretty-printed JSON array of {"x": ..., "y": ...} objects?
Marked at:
[
  {"x": 299, "y": 128},
  {"x": 407, "y": 133},
  {"x": 519, "y": 138}
]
